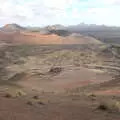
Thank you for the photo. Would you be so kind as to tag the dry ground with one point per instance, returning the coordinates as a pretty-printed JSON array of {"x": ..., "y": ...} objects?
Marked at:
[{"x": 68, "y": 82}]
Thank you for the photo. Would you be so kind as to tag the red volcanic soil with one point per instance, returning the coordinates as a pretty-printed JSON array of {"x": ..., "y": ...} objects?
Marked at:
[
  {"x": 64, "y": 81},
  {"x": 29, "y": 38},
  {"x": 18, "y": 37},
  {"x": 108, "y": 92}
]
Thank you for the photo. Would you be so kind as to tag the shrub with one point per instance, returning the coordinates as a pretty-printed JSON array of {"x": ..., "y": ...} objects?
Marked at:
[
  {"x": 8, "y": 95},
  {"x": 30, "y": 103},
  {"x": 20, "y": 93},
  {"x": 112, "y": 105},
  {"x": 56, "y": 70},
  {"x": 36, "y": 97}
]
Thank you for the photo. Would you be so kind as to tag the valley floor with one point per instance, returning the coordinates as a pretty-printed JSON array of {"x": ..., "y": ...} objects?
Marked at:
[{"x": 59, "y": 83}]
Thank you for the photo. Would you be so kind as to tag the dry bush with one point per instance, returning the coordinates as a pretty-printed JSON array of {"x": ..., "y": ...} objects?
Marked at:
[
  {"x": 55, "y": 70},
  {"x": 40, "y": 103},
  {"x": 14, "y": 94},
  {"x": 35, "y": 100},
  {"x": 110, "y": 105},
  {"x": 36, "y": 97},
  {"x": 92, "y": 96},
  {"x": 20, "y": 93},
  {"x": 8, "y": 95},
  {"x": 29, "y": 103}
]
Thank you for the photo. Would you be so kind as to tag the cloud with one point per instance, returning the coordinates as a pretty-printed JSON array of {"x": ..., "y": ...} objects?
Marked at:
[
  {"x": 113, "y": 2},
  {"x": 43, "y": 12}
]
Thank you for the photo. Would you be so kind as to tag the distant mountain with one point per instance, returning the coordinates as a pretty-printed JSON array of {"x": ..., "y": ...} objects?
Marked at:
[
  {"x": 102, "y": 33},
  {"x": 12, "y": 28},
  {"x": 56, "y": 27},
  {"x": 91, "y": 27},
  {"x": 106, "y": 34},
  {"x": 56, "y": 34}
]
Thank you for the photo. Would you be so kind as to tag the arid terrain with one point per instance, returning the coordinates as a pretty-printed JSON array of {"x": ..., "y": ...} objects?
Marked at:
[{"x": 54, "y": 77}]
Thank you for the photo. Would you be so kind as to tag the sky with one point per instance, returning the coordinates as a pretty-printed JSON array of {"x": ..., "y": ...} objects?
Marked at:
[{"x": 65, "y": 12}]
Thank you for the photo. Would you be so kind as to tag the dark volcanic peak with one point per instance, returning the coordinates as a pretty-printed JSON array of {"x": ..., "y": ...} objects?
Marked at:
[
  {"x": 56, "y": 27},
  {"x": 12, "y": 28}
]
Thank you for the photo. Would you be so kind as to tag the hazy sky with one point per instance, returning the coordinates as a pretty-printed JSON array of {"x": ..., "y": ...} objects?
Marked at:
[{"x": 66, "y": 12}]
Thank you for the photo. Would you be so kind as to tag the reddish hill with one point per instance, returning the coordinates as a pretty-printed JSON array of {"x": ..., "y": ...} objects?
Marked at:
[
  {"x": 12, "y": 28},
  {"x": 15, "y": 34},
  {"x": 29, "y": 38},
  {"x": 37, "y": 38}
]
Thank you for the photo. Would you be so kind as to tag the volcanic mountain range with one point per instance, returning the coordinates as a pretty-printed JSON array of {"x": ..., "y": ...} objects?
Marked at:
[{"x": 15, "y": 34}]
